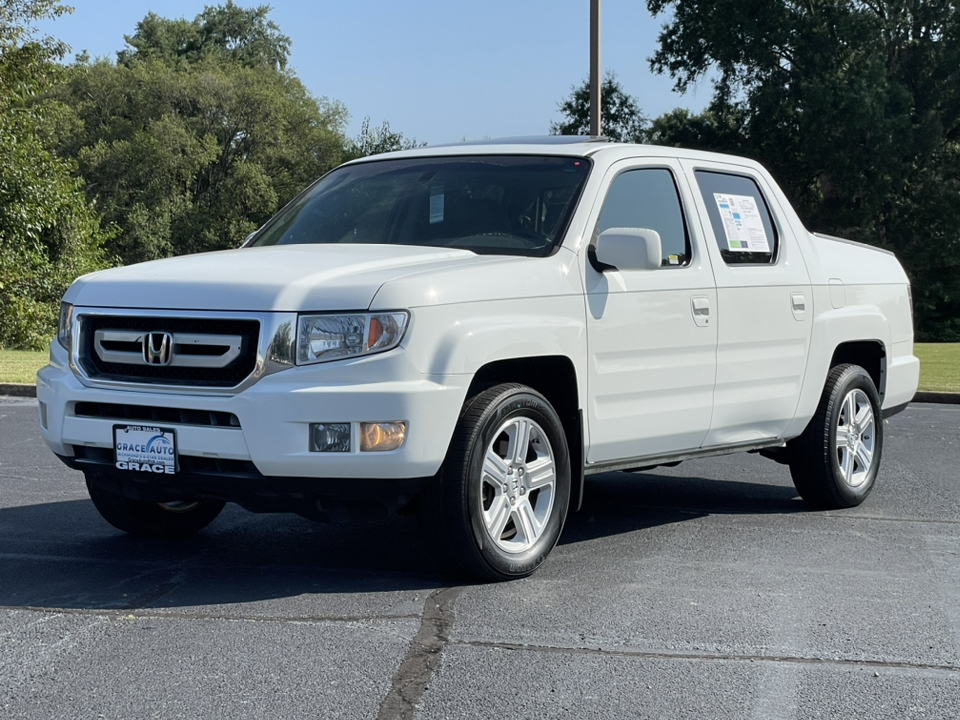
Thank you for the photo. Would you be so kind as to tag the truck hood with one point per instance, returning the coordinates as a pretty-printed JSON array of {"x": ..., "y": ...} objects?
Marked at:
[{"x": 289, "y": 278}]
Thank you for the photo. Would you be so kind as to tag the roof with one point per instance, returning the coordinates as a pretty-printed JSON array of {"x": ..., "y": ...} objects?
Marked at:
[
  {"x": 564, "y": 145},
  {"x": 532, "y": 140}
]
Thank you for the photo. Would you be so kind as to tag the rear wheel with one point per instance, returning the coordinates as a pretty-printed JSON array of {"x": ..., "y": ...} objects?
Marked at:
[
  {"x": 834, "y": 463},
  {"x": 153, "y": 519},
  {"x": 499, "y": 504}
]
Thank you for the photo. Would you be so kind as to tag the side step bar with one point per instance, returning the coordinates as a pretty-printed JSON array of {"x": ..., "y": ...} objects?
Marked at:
[{"x": 645, "y": 462}]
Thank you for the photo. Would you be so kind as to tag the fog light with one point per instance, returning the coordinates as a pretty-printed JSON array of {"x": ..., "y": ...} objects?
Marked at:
[
  {"x": 330, "y": 437},
  {"x": 381, "y": 437}
]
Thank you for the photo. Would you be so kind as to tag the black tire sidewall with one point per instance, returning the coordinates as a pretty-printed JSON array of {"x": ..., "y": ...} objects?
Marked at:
[
  {"x": 523, "y": 402},
  {"x": 856, "y": 379},
  {"x": 150, "y": 519}
]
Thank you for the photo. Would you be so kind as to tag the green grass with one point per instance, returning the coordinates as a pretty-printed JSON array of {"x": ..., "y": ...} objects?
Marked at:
[
  {"x": 939, "y": 366},
  {"x": 20, "y": 366}
]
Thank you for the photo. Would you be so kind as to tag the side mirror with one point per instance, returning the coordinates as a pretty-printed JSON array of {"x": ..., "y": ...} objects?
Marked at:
[{"x": 629, "y": 248}]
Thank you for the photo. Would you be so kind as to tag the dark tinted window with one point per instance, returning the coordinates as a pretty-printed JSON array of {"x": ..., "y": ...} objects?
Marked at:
[
  {"x": 740, "y": 218},
  {"x": 648, "y": 198},
  {"x": 511, "y": 205}
]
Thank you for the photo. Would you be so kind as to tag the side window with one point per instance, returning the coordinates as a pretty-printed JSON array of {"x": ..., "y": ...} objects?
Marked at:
[
  {"x": 648, "y": 198},
  {"x": 740, "y": 218}
]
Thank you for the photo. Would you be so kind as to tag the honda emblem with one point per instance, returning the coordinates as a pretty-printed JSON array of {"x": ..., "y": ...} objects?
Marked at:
[{"x": 158, "y": 348}]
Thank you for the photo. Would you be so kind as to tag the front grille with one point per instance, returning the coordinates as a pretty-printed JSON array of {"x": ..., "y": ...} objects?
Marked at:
[
  {"x": 137, "y": 372},
  {"x": 144, "y": 413}
]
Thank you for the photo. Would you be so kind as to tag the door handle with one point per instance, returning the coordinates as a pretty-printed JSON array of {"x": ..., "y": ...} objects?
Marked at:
[
  {"x": 701, "y": 310},
  {"x": 798, "y": 303}
]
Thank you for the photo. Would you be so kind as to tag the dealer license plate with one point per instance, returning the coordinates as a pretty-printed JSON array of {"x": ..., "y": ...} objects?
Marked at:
[{"x": 145, "y": 448}]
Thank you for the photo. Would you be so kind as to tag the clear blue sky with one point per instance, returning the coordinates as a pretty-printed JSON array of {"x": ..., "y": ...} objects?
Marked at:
[{"x": 437, "y": 70}]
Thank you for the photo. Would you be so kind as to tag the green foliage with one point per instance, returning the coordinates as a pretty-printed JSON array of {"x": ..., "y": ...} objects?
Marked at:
[
  {"x": 854, "y": 106},
  {"x": 620, "y": 115},
  {"x": 197, "y": 135},
  {"x": 49, "y": 234},
  {"x": 373, "y": 141},
  {"x": 718, "y": 128},
  {"x": 231, "y": 33}
]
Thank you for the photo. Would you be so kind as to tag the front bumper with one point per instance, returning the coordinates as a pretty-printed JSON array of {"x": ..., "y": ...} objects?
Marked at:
[{"x": 274, "y": 415}]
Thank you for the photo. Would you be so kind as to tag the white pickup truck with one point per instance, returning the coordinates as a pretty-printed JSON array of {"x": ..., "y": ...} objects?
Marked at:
[{"x": 468, "y": 331}]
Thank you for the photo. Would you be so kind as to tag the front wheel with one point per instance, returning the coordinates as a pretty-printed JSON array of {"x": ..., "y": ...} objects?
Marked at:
[
  {"x": 497, "y": 508},
  {"x": 153, "y": 519},
  {"x": 834, "y": 463}
]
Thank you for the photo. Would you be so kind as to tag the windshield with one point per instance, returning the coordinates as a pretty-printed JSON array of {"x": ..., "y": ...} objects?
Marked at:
[{"x": 506, "y": 205}]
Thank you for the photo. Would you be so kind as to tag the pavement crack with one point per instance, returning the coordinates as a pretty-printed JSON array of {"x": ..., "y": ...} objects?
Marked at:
[
  {"x": 666, "y": 655},
  {"x": 417, "y": 669}
]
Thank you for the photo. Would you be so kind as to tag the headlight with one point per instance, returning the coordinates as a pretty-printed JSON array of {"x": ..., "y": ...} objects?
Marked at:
[
  {"x": 321, "y": 338},
  {"x": 65, "y": 326}
]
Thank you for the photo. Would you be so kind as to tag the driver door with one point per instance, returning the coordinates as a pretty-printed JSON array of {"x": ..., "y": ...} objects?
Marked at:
[{"x": 652, "y": 334}]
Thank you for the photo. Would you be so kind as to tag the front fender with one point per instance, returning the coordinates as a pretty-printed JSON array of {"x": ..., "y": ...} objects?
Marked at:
[{"x": 460, "y": 339}]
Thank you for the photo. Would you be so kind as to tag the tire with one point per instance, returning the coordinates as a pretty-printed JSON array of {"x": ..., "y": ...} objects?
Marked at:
[
  {"x": 834, "y": 463},
  {"x": 496, "y": 509},
  {"x": 153, "y": 519}
]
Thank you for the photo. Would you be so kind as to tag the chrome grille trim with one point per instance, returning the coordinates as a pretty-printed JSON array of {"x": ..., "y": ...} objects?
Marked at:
[
  {"x": 275, "y": 351},
  {"x": 229, "y": 346}
]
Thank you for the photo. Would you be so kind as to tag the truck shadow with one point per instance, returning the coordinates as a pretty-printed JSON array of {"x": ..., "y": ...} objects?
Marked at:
[
  {"x": 621, "y": 502},
  {"x": 62, "y": 555}
]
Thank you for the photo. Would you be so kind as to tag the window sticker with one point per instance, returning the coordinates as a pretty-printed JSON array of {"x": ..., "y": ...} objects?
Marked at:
[
  {"x": 742, "y": 223},
  {"x": 436, "y": 206}
]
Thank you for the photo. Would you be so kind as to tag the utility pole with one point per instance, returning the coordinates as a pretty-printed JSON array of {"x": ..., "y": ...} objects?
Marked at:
[{"x": 594, "y": 67}]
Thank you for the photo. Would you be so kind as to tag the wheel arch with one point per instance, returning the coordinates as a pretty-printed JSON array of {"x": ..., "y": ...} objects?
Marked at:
[
  {"x": 871, "y": 355},
  {"x": 554, "y": 377},
  {"x": 858, "y": 335}
]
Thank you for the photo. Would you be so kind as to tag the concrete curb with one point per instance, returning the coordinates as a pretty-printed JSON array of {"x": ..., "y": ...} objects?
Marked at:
[
  {"x": 947, "y": 398},
  {"x": 944, "y": 398},
  {"x": 18, "y": 390}
]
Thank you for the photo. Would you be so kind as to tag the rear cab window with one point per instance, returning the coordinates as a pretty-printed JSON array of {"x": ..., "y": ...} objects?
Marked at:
[{"x": 740, "y": 217}]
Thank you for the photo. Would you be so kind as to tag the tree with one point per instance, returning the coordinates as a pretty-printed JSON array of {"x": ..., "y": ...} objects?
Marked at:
[
  {"x": 197, "y": 135},
  {"x": 855, "y": 107},
  {"x": 719, "y": 128},
  {"x": 373, "y": 141},
  {"x": 49, "y": 234},
  {"x": 620, "y": 115},
  {"x": 229, "y": 32}
]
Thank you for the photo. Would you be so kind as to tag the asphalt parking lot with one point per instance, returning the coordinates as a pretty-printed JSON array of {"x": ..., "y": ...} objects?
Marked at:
[{"x": 708, "y": 590}]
